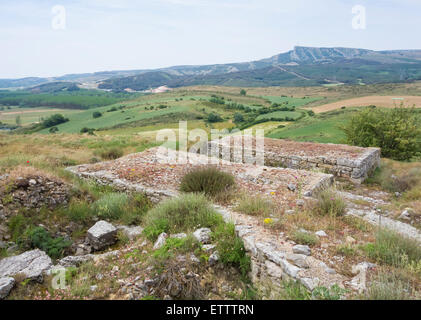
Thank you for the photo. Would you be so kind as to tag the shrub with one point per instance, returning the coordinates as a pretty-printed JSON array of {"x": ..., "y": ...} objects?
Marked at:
[
  {"x": 87, "y": 130},
  {"x": 238, "y": 117},
  {"x": 53, "y": 120},
  {"x": 111, "y": 153},
  {"x": 96, "y": 114},
  {"x": 209, "y": 181},
  {"x": 213, "y": 117},
  {"x": 329, "y": 203},
  {"x": 38, "y": 237},
  {"x": 183, "y": 214},
  {"x": 243, "y": 92},
  {"x": 393, "y": 249},
  {"x": 397, "y": 131},
  {"x": 254, "y": 206},
  {"x": 231, "y": 248},
  {"x": 302, "y": 237}
]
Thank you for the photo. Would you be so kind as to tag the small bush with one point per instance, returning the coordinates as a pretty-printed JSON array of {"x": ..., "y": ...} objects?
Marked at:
[
  {"x": 40, "y": 238},
  {"x": 183, "y": 214},
  {"x": 231, "y": 248},
  {"x": 96, "y": 114},
  {"x": 393, "y": 249},
  {"x": 255, "y": 206},
  {"x": 396, "y": 131},
  {"x": 329, "y": 203},
  {"x": 213, "y": 117},
  {"x": 209, "y": 181},
  {"x": 302, "y": 237},
  {"x": 87, "y": 130}
]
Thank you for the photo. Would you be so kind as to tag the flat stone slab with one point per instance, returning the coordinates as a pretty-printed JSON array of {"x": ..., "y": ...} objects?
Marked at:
[
  {"x": 145, "y": 172},
  {"x": 32, "y": 264},
  {"x": 341, "y": 160}
]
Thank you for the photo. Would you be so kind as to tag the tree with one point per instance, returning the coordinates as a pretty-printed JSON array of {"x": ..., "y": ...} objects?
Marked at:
[
  {"x": 396, "y": 131},
  {"x": 213, "y": 117},
  {"x": 53, "y": 120},
  {"x": 243, "y": 92},
  {"x": 96, "y": 114},
  {"x": 18, "y": 120},
  {"x": 238, "y": 117}
]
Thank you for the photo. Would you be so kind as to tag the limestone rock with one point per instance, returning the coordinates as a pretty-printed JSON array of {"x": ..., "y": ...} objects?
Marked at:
[
  {"x": 300, "y": 203},
  {"x": 203, "y": 235},
  {"x": 208, "y": 247},
  {"x": 310, "y": 283},
  {"x": 74, "y": 261},
  {"x": 298, "y": 259},
  {"x": 6, "y": 284},
  {"x": 159, "y": 243},
  {"x": 178, "y": 236},
  {"x": 321, "y": 234},
  {"x": 102, "y": 235},
  {"x": 131, "y": 232},
  {"x": 292, "y": 187},
  {"x": 30, "y": 263},
  {"x": 406, "y": 214},
  {"x": 214, "y": 258},
  {"x": 301, "y": 249}
]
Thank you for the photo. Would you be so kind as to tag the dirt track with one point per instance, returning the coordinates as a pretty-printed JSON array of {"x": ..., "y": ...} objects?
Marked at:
[{"x": 380, "y": 101}]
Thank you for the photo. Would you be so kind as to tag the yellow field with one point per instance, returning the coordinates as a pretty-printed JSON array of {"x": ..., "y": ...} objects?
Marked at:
[{"x": 379, "y": 101}]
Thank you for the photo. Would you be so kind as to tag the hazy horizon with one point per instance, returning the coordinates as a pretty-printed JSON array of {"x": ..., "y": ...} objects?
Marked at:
[{"x": 110, "y": 35}]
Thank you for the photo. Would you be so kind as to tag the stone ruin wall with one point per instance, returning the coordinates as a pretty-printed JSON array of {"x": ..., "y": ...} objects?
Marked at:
[{"x": 357, "y": 169}]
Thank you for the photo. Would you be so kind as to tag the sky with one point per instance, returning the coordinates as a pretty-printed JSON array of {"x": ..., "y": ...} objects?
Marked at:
[{"x": 101, "y": 35}]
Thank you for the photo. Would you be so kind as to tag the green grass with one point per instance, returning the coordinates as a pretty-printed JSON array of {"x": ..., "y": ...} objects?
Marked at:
[
  {"x": 255, "y": 206},
  {"x": 31, "y": 115},
  {"x": 304, "y": 238},
  {"x": 393, "y": 249},
  {"x": 280, "y": 115},
  {"x": 322, "y": 128},
  {"x": 329, "y": 203},
  {"x": 297, "y": 102},
  {"x": 231, "y": 248},
  {"x": 183, "y": 214},
  {"x": 109, "y": 119}
]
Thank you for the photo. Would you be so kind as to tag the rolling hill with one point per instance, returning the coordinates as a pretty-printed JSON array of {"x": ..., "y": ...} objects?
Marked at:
[{"x": 302, "y": 66}]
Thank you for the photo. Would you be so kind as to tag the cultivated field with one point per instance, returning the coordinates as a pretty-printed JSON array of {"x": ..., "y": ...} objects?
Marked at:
[{"x": 379, "y": 101}]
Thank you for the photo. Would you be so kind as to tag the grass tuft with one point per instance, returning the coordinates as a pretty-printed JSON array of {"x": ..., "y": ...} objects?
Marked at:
[{"x": 210, "y": 181}]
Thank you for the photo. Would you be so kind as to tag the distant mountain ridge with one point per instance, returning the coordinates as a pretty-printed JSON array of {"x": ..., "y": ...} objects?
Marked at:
[{"x": 300, "y": 66}]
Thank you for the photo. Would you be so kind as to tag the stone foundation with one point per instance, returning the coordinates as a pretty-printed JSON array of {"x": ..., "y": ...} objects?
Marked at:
[{"x": 350, "y": 162}]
